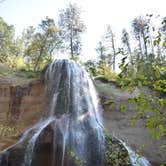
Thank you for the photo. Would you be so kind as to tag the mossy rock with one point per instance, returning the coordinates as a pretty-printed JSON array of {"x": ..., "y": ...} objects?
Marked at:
[{"x": 116, "y": 154}]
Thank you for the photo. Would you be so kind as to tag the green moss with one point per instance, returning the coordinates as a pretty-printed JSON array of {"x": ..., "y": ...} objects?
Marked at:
[
  {"x": 27, "y": 74},
  {"x": 77, "y": 160},
  {"x": 7, "y": 131},
  {"x": 116, "y": 153},
  {"x": 5, "y": 71}
]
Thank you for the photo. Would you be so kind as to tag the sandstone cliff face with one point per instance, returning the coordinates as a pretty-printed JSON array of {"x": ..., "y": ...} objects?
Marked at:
[{"x": 22, "y": 103}]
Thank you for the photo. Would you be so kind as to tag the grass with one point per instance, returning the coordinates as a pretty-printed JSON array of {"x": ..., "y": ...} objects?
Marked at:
[
  {"x": 5, "y": 71},
  {"x": 27, "y": 74}
]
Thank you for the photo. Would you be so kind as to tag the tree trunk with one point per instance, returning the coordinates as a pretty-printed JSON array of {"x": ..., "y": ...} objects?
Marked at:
[
  {"x": 114, "y": 53},
  {"x": 145, "y": 46},
  {"x": 38, "y": 59},
  {"x": 129, "y": 49},
  {"x": 140, "y": 47},
  {"x": 71, "y": 47}
]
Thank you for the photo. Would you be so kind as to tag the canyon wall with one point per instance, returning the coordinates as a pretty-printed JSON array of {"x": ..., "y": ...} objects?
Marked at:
[{"x": 22, "y": 103}]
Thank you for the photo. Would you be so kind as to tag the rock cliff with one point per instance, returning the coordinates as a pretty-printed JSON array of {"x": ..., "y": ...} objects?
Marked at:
[{"x": 22, "y": 103}]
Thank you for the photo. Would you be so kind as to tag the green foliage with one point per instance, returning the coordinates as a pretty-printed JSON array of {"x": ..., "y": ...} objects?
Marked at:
[
  {"x": 150, "y": 72},
  {"x": 123, "y": 108},
  {"x": 116, "y": 154},
  {"x": 27, "y": 74},
  {"x": 91, "y": 67},
  {"x": 77, "y": 160},
  {"x": 150, "y": 106},
  {"x": 17, "y": 67},
  {"x": 35, "y": 45},
  {"x": 6, "y": 40},
  {"x": 75, "y": 58},
  {"x": 147, "y": 74},
  {"x": 107, "y": 102},
  {"x": 9, "y": 131},
  {"x": 33, "y": 50},
  {"x": 42, "y": 44},
  {"x": 151, "y": 109},
  {"x": 15, "y": 63},
  {"x": 104, "y": 71},
  {"x": 71, "y": 27},
  {"x": 106, "y": 49},
  {"x": 29, "y": 54},
  {"x": 38, "y": 45},
  {"x": 101, "y": 71},
  {"x": 102, "y": 51},
  {"x": 164, "y": 164},
  {"x": 5, "y": 70}
]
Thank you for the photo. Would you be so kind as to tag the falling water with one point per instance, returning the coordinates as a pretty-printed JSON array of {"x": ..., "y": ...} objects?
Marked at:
[
  {"x": 135, "y": 159},
  {"x": 71, "y": 130},
  {"x": 31, "y": 144},
  {"x": 73, "y": 116}
]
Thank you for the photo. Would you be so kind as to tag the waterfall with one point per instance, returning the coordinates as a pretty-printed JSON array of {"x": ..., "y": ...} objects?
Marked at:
[
  {"x": 135, "y": 159},
  {"x": 73, "y": 117},
  {"x": 71, "y": 131}
]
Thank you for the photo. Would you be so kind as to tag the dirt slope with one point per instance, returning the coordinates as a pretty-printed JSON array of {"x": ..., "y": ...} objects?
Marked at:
[{"x": 118, "y": 123}]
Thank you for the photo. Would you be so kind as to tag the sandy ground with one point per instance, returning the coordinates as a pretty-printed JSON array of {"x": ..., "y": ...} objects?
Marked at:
[{"x": 118, "y": 123}]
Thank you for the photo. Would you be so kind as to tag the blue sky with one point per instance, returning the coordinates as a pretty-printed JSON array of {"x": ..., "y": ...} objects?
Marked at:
[{"x": 96, "y": 15}]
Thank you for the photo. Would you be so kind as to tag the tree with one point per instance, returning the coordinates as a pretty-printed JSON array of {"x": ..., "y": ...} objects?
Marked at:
[
  {"x": 49, "y": 37},
  {"x": 27, "y": 36},
  {"x": 126, "y": 42},
  {"x": 109, "y": 37},
  {"x": 6, "y": 40},
  {"x": 42, "y": 44},
  {"x": 163, "y": 31},
  {"x": 151, "y": 74},
  {"x": 71, "y": 29},
  {"x": 163, "y": 26},
  {"x": 91, "y": 67},
  {"x": 140, "y": 30},
  {"x": 101, "y": 50},
  {"x": 106, "y": 48}
]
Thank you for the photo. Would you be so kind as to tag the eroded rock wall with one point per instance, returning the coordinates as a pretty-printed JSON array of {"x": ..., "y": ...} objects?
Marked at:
[
  {"x": 18, "y": 99},
  {"x": 21, "y": 105}
]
